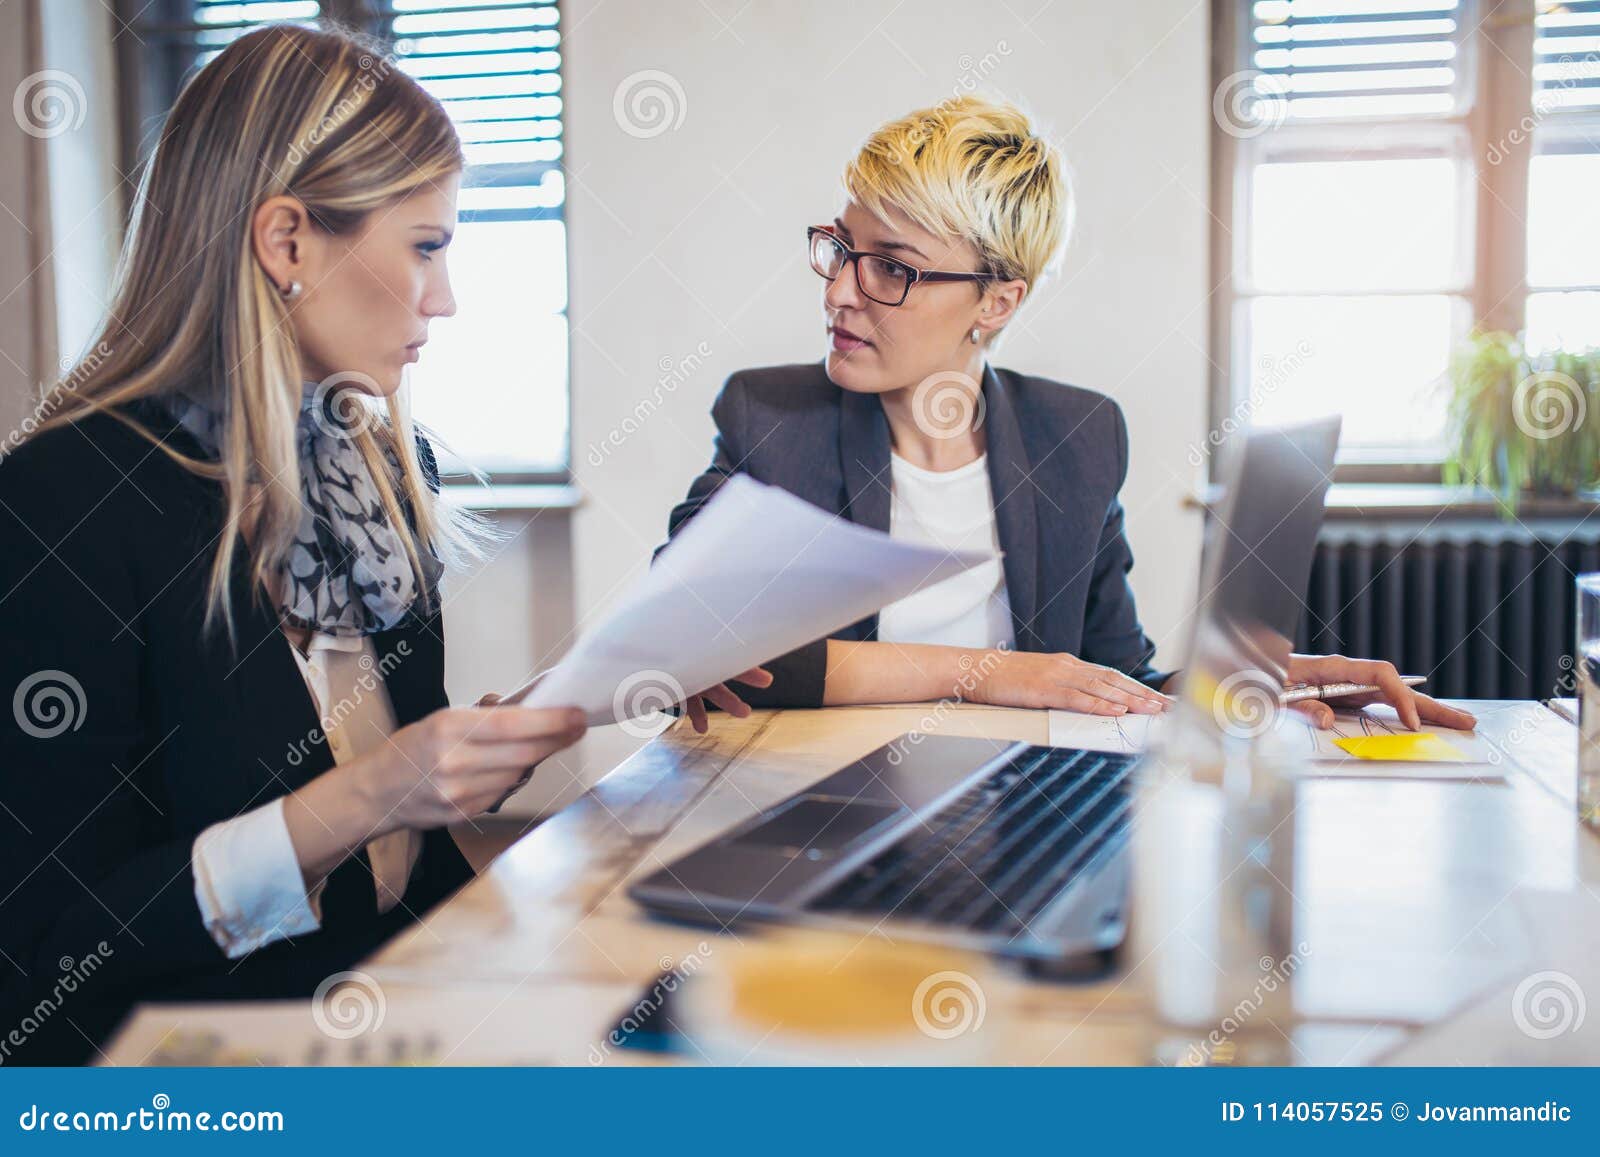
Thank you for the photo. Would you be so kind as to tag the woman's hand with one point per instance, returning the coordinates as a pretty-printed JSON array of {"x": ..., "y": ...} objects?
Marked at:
[
  {"x": 1061, "y": 681},
  {"x": 461, "y": 761},
  {"x": 695, "y": 705},
  {"x": 1413, "y": 707}
]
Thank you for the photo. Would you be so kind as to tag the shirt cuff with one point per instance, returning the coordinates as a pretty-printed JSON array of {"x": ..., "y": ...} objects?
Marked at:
[{"x": 248, "y": 883}]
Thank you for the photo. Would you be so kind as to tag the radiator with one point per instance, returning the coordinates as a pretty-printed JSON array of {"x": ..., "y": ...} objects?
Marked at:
[{"x": 1485, "y": 611}]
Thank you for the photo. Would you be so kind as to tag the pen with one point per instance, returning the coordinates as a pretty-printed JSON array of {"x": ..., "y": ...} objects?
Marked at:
[{"x": 1302, "y": 691}]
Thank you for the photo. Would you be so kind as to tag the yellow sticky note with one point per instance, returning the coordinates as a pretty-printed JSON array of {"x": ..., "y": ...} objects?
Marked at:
[{"x": 1410, "y": 747}]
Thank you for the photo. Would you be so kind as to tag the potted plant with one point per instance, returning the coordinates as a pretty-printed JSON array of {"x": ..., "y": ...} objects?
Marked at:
[{"x": 1523, "y": 425}]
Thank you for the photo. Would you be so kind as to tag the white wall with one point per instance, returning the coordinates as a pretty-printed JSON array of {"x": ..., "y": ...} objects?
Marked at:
[
  {"x": 86, "y": 201},
  {"x": 695, "y": 234}
]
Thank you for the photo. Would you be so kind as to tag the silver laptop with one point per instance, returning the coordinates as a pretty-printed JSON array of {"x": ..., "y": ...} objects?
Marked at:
[{"x": 1010, "y": 847}]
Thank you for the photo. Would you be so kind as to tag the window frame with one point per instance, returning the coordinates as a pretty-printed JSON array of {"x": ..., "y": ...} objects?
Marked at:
[
  {"x": 147, "y": 87},
  {"x": 1498, "y": 101}
]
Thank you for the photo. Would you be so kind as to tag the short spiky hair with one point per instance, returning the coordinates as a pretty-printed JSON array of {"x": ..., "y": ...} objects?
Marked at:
[{"x": 971, "y": 168}]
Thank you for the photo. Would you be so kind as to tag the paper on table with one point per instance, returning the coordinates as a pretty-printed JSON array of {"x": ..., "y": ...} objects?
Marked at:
[
  {"x": 553, "y": 1022},
  {"x": 1320, "y": 748},
  {"x": 1478, "y": 759},
  {"x": 1126, "y": 733},
  {"x": 757, "y": 573},
  {"x": 1566, "y": 708}
]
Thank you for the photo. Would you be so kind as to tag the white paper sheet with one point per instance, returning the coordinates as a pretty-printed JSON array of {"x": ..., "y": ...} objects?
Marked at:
[
  {"x": 757, "y": 573},
  {"x": 367, "y": 1022},
  {"x": 1135, "y": 734},
  {"x": 1128, "y": 733}
]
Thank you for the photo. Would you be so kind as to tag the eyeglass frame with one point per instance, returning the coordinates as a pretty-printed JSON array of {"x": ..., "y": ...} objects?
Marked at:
[{"x": 853, "y": 257}]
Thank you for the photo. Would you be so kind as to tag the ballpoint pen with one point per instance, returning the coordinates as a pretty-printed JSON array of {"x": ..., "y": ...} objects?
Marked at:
[{"x": 1303, "y": 691}]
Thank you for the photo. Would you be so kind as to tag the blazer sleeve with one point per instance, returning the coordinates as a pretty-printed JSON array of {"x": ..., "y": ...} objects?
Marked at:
[
  {"x": 89, "y": 861},
  {"x": 1112, "y": 635},
  {"x": 797, "y": 677}
]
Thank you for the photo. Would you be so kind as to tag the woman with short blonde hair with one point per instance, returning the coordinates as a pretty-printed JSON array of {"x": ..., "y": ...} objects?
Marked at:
[{"x": 952, "y": 217}]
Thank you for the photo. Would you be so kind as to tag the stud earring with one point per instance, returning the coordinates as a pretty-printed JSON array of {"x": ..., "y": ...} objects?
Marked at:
[
  {"x": 975, "y": 335},
  {"x": 292, "y": 292}
]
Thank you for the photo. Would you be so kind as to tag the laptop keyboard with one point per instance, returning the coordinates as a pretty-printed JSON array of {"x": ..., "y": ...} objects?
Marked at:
[{"x": 995, "y": 857}]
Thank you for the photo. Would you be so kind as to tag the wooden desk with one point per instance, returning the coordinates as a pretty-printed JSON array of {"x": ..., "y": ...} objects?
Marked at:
[
  {"x": 1420, "y": 899},
  {"x": 1425, "y": 906}
]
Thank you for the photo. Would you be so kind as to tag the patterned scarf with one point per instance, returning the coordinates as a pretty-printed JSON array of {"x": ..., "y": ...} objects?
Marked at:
[{"x": 346, "y": 572}]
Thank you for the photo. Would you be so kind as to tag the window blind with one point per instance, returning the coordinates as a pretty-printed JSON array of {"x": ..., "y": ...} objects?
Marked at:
[
  {"x": 496, "y": 67},
  {"x": 218, "y": 23},
  {"x": 1350, "y": 59},
  {"x": 1566, "y": 56}
]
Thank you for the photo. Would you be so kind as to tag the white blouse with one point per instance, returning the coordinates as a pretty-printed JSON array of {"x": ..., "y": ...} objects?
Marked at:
[
  {"x": 952, "y": 510},
  {"x": 246, "y": 877}
]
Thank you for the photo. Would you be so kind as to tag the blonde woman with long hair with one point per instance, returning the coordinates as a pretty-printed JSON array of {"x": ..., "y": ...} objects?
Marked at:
[{"x": 231, "y": 757}]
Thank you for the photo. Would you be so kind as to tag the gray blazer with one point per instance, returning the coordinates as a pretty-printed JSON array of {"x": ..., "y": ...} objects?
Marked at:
[{"x": 1057, "y": 458}]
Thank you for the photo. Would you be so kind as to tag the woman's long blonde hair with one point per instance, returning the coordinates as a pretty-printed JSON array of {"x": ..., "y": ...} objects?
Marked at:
[{"x": 327, "y": 118}]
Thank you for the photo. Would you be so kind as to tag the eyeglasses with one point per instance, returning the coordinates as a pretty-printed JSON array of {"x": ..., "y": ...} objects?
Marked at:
[{"x": 882, "y": 279}]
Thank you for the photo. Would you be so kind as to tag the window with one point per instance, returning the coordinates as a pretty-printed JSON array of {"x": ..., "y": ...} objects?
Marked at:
[
  {"x": 494, "y": 378},
  {"x": 1563, "y": 177},
  {"x": 1379, "y": 196}
]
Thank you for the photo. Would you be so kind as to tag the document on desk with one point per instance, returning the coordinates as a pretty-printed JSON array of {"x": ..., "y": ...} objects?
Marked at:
[
  {"x": 1126, "y": 733},
  {"x": 756, "y": 573},
  {"x": 1372, "y": 743},
  {"x": 359, "y": 1023},
  {"x": 1360, "y": 744}
]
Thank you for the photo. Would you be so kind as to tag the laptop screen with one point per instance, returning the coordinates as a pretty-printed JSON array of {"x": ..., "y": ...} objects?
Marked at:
[{"x": 1259, "y": 548}]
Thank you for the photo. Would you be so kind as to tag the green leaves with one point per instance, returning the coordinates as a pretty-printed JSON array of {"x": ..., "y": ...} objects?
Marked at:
[{"x": 1521, "y": 424}]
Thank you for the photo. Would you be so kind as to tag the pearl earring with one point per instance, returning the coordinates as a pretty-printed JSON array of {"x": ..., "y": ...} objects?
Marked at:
[
  {"x": 975, "y": 335},
  {"x": 292, "y": 292}
]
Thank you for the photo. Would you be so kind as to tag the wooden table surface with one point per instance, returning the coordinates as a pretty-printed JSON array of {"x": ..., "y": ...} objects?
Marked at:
[{"x": 1442, "y": 917}]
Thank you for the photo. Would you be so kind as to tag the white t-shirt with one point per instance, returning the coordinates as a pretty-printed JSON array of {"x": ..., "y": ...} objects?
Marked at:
[{"x": 952, "y": 510}]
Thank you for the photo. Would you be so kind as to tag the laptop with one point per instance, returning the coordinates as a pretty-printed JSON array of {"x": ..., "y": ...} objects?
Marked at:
[{"x": 1008, "y": 847}]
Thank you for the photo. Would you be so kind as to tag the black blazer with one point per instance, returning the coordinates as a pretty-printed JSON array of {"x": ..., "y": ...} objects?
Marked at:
[
  {"x": 1057, "y": 457},
  {"x": 105, "y": 550}
]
